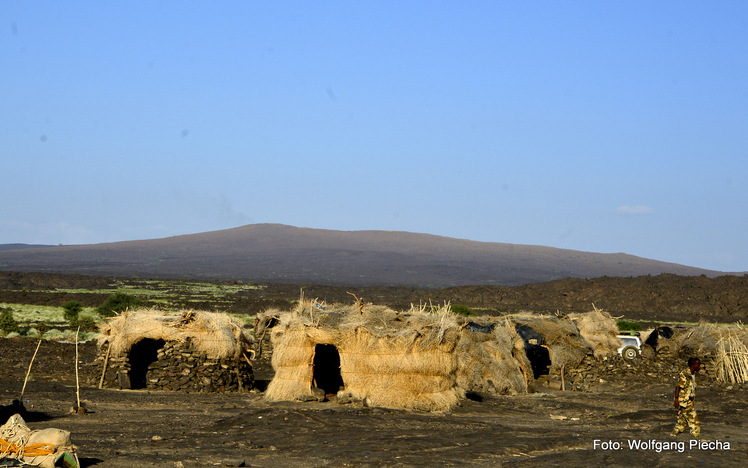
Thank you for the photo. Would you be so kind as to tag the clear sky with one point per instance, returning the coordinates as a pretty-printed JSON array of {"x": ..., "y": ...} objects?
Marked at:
[{"x": 602, "y": 126}]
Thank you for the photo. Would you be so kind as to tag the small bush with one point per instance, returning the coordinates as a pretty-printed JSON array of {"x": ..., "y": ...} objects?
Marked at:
[
  {"x": 460, "y": 309},
  {"x": 71, "y": 311},
  {"x": 117, "y": 303},
  {"x": 8, "y": 323},
  {"x": 628, "y": 325},
  {"x": 87, "y": 323},
  {"x": 42, "y": 328}
]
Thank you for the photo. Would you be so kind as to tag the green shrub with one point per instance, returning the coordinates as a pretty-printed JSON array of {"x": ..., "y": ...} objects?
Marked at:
[
  {"x": 8, "y": 323},
  {"x": 71, "y": 311},
  {"x": 42, "y": 327},
  {"x": 87, "y": 323},
  {"x": 117, "y": 303},
  {"x": 628, "y": 325},
  {"x": 460, "y": 309}
]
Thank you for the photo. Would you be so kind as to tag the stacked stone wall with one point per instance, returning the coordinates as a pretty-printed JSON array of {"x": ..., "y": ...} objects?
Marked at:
[
  {"x": 180, "y": 367},
  {"x": 662, "y": 368}
]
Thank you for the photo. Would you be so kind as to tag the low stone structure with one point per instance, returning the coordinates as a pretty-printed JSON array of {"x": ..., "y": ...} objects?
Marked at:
[
  {"x": 191, "y": 351},
  {"x": 179, "y": 367}
]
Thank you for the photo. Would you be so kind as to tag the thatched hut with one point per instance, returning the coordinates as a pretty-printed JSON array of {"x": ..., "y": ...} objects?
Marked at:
[
  {"x": 417, "y": 360},
  {"x": 600, "y": 330},
  {"x": 565, "y": 346},
  {"x": 491, "y": 358},
  {"x": 184, "y": 351},
  {"x": 724, "y": 349}
]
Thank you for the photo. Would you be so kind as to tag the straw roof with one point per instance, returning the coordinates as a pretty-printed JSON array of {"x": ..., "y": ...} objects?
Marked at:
[
  {"x": 600, "y": 330},
  {"x": 217, "y": 335}
]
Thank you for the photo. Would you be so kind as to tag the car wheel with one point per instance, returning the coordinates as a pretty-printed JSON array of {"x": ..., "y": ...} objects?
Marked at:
[{"x": 630, "y": 353}]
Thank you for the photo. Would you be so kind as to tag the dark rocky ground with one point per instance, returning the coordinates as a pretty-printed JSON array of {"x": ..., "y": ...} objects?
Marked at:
[
  {"x": 622, "y": 402},
  {"x": 547, "y": 428},
  {"x": 662, "y": 298}
]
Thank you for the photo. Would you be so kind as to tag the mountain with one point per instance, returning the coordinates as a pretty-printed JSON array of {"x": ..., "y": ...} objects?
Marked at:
[{"x": 287, "y": 254}]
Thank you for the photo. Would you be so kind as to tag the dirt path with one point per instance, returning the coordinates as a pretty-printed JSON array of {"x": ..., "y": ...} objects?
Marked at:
[{"x": 553, "y": 428}]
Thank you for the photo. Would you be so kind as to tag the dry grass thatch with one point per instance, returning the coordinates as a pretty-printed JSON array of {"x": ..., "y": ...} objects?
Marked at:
[
  {"x": 565, "y": 344},
  {"x": 424, "y": 359},
  {"x": 493, "y": 362},
  {"x": 724, "y": 348},
  {"x": 217, "y": 335},
  {"x": 392, "y": 359},
  {"x": 599, "y": 329}
]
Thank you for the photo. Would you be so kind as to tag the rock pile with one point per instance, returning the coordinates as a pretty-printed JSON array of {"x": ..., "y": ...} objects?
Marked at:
[
  {"x": 178, "y": 367},
  {"x": 663, "y": 368}
]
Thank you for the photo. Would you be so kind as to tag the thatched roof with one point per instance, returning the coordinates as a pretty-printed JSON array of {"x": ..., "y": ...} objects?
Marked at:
[
  {"x": 600, "y": 330},
  {"x": 217, "y": 335}
]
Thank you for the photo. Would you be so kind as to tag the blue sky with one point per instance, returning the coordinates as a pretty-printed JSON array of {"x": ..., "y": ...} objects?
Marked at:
[{"x": 595, "y": 126}]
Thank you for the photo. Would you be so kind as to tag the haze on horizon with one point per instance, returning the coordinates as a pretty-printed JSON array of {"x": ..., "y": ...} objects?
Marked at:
[{"x": 592, "y": 126}]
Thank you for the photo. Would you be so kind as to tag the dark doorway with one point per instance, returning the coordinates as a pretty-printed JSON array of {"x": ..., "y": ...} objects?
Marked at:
[
  {"x": 540, "y": 359},
  {"x": 143, "y": 354},
  {"x": 327, "y": 369}
]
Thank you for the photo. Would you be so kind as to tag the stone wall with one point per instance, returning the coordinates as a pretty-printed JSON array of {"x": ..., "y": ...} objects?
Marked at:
[
  {"x": 179, "y": 367},
  {"x": 662, "y": 368}
]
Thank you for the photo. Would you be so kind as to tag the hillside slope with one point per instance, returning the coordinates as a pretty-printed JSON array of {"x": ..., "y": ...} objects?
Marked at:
[{"x": 279, "y": 253}]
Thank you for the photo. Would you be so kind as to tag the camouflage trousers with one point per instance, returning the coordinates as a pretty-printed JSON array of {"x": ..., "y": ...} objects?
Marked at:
[{"x": 687, "y": 418}]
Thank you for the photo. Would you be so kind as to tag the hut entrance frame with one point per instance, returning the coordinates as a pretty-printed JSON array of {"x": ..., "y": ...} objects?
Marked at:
[
  {"x": 142, "y": 355},
  {"x": 539, "y": 358},
  {"x": 326, "y": 371},
  {"x": 535, "y": 349}
]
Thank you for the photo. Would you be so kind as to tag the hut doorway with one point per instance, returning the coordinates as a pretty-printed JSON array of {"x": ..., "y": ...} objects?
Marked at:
[
  {"x": 142, "y": 355},
  {"x": 540, "y": 359},
  {"x": 327, "y": 369}
]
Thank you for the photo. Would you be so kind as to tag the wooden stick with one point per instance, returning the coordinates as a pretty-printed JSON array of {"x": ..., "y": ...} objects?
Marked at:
[
  {"x": 28, "y": 372},
  {"x": 77, "y": 381},
  {"x": 106, "y": 362},
  {"x": 563, "y": 385}
]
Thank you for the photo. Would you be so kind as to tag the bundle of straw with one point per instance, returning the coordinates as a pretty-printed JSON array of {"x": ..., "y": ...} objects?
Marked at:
[{"x": 731, "y": 359}]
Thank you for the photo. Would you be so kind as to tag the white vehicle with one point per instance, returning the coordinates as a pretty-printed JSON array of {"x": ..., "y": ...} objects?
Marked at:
[{"x": 631, "y": 348}]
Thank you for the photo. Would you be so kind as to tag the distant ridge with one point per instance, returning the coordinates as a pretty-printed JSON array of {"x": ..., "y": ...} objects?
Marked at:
[{"x": 286, "y": 254}]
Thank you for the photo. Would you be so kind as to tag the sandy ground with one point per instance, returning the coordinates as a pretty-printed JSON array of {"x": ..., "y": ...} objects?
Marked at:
[{"x": 548, "y": 428}]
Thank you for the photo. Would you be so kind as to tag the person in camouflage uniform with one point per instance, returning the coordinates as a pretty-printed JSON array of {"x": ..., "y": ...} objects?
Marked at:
[{"x": 685, "y": 395}]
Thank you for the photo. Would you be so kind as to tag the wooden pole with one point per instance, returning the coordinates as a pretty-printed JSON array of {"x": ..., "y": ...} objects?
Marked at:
[
  {"x": 28, "y": 372},
  {"x": 106, "y": 362},
  {"x": 563, "y": 385},
  {"x": 77, "y": 381}
]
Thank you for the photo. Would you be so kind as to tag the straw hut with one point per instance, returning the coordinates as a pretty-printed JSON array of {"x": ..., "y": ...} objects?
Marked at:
[
  {"x": 598, "y": 329},
  {"x": 383, "y": 357},
  {"x": 724, "y": 349},
  {"x": 184, "y": 351},
  {"x": 559, "y": 336},
  {"x": 491, "y": 358},
  {"x": 419, "y": 360},
  {"x": 263, "y": 324}
]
